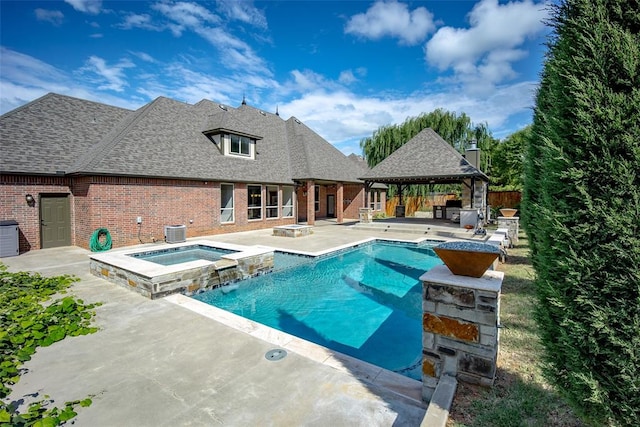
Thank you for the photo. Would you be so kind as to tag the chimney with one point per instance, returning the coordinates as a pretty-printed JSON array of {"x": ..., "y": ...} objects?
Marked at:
[{"x": 472, "y": 154}]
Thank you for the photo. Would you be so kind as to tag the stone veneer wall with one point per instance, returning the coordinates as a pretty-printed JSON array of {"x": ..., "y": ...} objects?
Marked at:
[
  {"x": 512, "y": 223},
  {"x": 187, "y": 281},
  {"x": 460, "y": 327}
]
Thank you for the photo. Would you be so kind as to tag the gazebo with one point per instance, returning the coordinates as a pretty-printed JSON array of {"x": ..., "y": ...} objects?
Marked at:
[{"x": 428, "y": 159}]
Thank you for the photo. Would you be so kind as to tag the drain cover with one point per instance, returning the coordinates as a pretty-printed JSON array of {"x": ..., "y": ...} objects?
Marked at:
[{"x": 275, "y": 354}]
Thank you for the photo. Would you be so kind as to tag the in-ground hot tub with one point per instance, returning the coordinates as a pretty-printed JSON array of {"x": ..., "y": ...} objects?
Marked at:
[
  {"x": 183, "y": 270},
  {"x": 292, "y": 230}
]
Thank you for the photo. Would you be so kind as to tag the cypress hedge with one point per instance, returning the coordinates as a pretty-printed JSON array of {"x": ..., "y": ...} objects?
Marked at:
[{"x": 581, "y": 207}]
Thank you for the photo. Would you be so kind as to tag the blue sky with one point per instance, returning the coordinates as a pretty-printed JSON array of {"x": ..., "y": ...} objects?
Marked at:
[{"x": 345, "y": 68}]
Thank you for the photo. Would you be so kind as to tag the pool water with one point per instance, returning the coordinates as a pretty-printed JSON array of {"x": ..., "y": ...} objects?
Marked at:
[
  {"x": 178, "y": 255},
  {"x": 365, "y": 302}
]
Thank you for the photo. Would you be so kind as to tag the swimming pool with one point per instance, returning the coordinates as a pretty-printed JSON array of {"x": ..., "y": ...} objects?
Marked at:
[
  {"x": 365, "y": 302},
  {"x": 182, "y": 254}
]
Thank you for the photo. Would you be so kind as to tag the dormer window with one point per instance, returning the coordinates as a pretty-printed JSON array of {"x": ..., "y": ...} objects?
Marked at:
[
  {"x": 234, "y": 144},
  {"x": 240, "y": 145}
]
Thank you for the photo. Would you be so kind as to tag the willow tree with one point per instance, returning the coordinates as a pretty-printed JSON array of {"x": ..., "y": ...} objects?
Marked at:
[
  {"x": 581, "y": 207},
  {"x": 457, "y": 130}
]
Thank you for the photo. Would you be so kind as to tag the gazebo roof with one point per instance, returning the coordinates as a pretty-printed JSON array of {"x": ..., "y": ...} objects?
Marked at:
[{"x": 424, "y": 159}]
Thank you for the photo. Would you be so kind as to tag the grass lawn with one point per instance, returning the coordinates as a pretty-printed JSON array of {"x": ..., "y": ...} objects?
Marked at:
[{"x": 520, "y": 395}]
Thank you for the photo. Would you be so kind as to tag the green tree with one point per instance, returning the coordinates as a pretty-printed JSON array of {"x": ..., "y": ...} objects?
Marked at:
[
  {"x": 457, "y": 130},
  {"x": 581, "y": 207},
  {"x": 507, "y": 161}
]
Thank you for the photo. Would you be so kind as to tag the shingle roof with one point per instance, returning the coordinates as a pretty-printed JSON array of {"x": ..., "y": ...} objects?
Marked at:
[
  {"x": 314, "y": 158},
  {"x": 425, "y": 158},
  {"x": 163, "y": 139},
  {"x": 49, "y": 134},
  {"x": 361, "y": 163}
]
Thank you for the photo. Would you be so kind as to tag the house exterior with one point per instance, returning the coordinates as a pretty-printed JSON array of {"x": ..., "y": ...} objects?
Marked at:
[{"x": 70, "y": 166}]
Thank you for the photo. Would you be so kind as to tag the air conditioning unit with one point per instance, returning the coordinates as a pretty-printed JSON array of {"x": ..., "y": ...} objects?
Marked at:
[{"x": 175, "y": 233}]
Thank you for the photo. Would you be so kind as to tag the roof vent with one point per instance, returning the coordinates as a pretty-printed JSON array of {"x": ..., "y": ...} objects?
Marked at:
[
  {"x": 297, "y": 121},
  {"x": 263, "y": 113},
  {"x": 222, "y": 107}
]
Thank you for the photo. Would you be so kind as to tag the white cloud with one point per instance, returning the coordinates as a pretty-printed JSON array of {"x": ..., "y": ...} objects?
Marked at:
[
  {"x": 392, "y": 19},
  {"x": 237, "y": 54},
  {"x": 243, "y": 11},
  {"x": 135, "y": 20},
  {"x": 144, "y": 56},
  {"x": 348, "y": 77},
  {"x": 343, "y": 117},
  {"x": 108, "y": 77},
  {"x": 53, "y": 16},
  {"x": 186, "y": 15},
  {"x": 25, "y": 78},
  {"x": 483, "y": 54},
  {"x": 92, "y": 7}
]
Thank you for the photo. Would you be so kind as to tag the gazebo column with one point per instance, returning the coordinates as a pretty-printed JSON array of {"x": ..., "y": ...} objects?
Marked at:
[
  {"x": 311, "y": 203},
  {"x": 340, "y": 202}
]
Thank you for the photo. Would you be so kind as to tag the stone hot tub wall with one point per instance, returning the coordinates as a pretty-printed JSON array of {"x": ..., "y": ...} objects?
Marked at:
[{"x": 460, "y": 327}]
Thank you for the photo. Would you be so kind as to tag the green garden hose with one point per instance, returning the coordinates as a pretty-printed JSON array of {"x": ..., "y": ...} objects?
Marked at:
[{"x": 94, "y": 243}]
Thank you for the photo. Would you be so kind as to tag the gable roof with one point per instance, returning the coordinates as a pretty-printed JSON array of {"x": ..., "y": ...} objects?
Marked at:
[
  {"x": 424, "y": 159},
  {"x": 164, "y": 139}
]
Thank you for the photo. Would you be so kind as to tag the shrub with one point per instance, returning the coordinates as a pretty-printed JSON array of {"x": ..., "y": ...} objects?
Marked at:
[
  {"x": 581, "y": 207},
  {"x": 28, "y": 320}
]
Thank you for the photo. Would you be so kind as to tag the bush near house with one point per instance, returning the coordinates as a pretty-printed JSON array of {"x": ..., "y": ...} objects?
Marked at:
[{"x": 581, "y": 207}]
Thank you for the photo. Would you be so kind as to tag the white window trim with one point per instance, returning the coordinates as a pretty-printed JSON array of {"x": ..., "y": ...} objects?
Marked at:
[
  {"x": 226, "y": 138},
  {"x": 233, "y": 203},
  {"x": 293, "y": 192},
  {"x": 277, "y": 205}
]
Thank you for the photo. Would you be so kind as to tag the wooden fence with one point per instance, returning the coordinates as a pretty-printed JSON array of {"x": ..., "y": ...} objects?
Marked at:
[
  {"x": 415, "y": 203},
  {"x": 505, "y": 199},
  {"x": 497, "y": 199}
]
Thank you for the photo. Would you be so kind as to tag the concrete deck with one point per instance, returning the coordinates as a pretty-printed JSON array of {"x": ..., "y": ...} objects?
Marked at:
[{"x": 160, "y": 363}]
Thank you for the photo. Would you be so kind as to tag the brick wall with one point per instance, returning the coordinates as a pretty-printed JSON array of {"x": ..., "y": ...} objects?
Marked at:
[
  {"x": 352, "y": 193},
  {"x": 116, "y": 202},
  {"x": 13, "y": 205}
]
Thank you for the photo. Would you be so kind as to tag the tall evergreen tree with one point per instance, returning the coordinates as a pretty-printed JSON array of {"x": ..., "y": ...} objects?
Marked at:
[{"x": 581, "y": 207}]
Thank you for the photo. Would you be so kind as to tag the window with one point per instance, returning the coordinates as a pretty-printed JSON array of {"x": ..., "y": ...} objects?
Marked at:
[
  {"x": 287, "y": 202},
  {"x": 240, "y": 145},
  {"x": 226, "y": 203},
  {"x": 254, "y": 202},
  {"x": 272, "y": 201},
  {"x": 375, "y": 197},
  {"x": 317, "y": 201}
]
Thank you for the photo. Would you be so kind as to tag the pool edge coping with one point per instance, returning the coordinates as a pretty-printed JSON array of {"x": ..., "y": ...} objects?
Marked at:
[{"x": 363, "y": 371}]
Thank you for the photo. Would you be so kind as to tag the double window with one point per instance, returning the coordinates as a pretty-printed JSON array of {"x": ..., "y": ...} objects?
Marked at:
[
  {"x": 240, "y": 145},
  {"x": 254, "y": 202}
]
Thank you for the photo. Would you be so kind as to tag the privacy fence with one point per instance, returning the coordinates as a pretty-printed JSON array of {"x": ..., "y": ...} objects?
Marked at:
[{"x": 497, "y": 199}]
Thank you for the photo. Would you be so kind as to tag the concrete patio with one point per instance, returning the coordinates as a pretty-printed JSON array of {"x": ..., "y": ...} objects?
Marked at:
[{"x": 158, "y": 363}]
